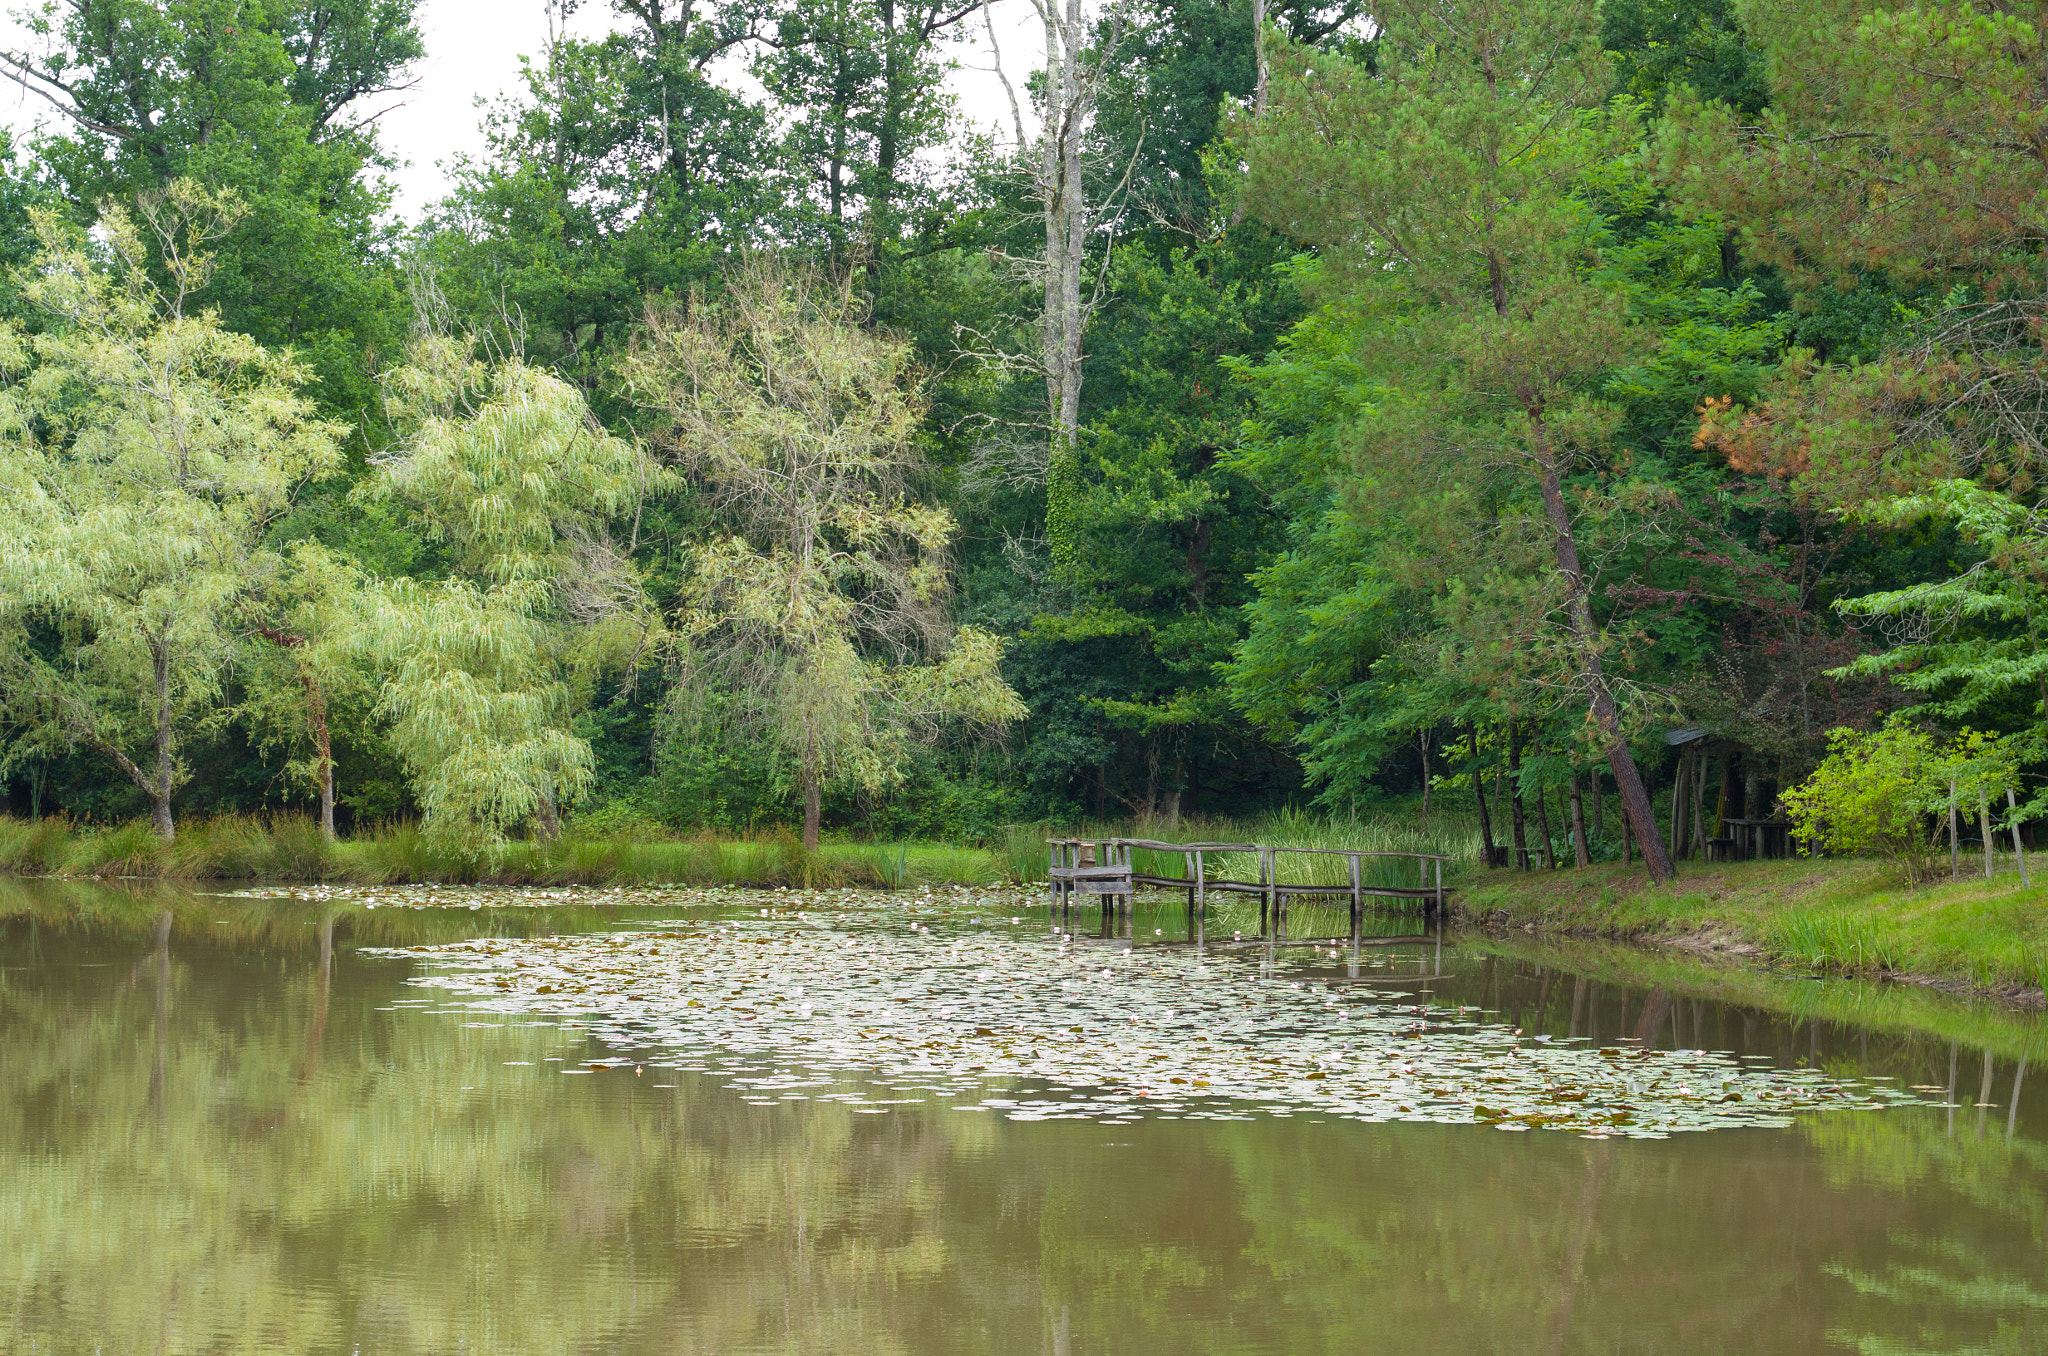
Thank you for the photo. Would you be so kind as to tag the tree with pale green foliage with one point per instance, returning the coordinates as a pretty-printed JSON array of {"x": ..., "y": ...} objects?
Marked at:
[
  {"x": 305, "y": 666},
  {"x": 1894, "y": 790},
  {"x": 821, "y": 601},
  {"x": 148, "y": 450},
  {"x": 505, "y": 469}
]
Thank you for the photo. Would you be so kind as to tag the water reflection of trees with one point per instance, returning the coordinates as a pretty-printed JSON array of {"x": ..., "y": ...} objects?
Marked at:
[
  {"x": 217, "y": 1142},
  {"x": 1975, "y": 1285}
]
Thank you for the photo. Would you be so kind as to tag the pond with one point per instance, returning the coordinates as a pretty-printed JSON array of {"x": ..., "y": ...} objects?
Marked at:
[{"x": 327, "y": 1120}]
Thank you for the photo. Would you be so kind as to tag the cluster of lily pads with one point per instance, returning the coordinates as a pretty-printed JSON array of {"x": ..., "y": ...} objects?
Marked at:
[
  {"x": 588, "y": 896},
  {"x": 971, "y": 1001}
]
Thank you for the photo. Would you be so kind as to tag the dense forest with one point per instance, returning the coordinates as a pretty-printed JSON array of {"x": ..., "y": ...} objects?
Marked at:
[{"x": 1289, "y": 403}]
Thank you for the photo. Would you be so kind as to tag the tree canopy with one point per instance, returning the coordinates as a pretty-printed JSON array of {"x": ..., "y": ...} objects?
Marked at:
[{"x": 1400, "y": 400}]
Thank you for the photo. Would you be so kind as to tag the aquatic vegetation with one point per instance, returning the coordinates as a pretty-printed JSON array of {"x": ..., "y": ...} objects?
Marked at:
[{"x": 965, "y": 997}]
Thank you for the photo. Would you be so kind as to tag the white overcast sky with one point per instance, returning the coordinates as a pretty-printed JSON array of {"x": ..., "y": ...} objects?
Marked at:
[{"x": 473, "y": 51}]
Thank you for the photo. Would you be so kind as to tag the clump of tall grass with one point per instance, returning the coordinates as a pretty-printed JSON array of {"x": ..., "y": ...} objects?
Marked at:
[
  {"x": 276, "y": 847},
  {"x": 1021, "y": 853},
  {"x": 954, "y": 866},
  {"x": 1833, "y": 941},
  {"x": 35, "y": 847}
]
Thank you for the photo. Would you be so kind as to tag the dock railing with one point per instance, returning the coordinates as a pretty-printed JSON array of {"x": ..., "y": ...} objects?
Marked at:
[{"x": 1103, "y": 867}]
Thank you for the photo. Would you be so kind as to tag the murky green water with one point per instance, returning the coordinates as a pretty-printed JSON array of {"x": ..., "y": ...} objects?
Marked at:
[{"x": 855, "y": 1126}]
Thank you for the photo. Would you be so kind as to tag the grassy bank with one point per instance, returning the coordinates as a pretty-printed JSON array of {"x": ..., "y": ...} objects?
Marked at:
[
  {"x": 1820, "y": 917},
  {"x": 289, "y": 848}
]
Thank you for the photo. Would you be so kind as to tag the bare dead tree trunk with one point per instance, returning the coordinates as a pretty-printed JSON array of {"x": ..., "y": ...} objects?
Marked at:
[
  {"x": 1259, "y": 55},
  {"x": 1076, "y": 54}
]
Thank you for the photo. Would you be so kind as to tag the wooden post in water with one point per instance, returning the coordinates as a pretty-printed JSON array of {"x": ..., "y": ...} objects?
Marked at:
[
  {"x": 1357, "y": 899},
  {"x": 1052, "y": 883},
  {"x": 1201, "y": 899},
  {"x": 1268, "y": 905}
]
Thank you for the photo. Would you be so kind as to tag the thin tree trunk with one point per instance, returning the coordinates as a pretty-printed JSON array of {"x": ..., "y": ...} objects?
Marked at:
[
  {"x": 1543, "y": 827},
  {"x": 160, "y": 790},
  {"x": 1581, "y": 855},
  {"x": 1585, "y": 636},
  {"x": 1955, "y": 841},
  {"x": 1515, "y": 797},
  {"x": 1425, "y": 779},
  {"x": 1984, "y": 827},
  {"x": 1678, "y": 790},
  {"x": 548, "y": 817},
  {"x": 1699, "y": 794},
  {"x": 1732, "y": 805},
  {"x": 323, "y": 748},
  {"x": 1479, "y": 791},
  {"x": 316, "y": 719},
  {"x": 2019, "y": 849},
  {"x": 813, "y": 811},
  {"x": 1599, "y": 804}
]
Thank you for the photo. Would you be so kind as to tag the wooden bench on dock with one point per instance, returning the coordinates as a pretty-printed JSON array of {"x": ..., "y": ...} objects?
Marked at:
[{"x": 1103, "y": 867}]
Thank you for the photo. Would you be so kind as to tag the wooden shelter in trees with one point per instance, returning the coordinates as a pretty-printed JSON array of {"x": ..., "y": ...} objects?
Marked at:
[
  {"x": 1103, "y": 867},
  {"x": 1732, "y": 810}
]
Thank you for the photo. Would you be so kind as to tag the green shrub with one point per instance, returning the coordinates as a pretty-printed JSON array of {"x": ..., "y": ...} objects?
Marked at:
[{"x": 1888, "y": 793}]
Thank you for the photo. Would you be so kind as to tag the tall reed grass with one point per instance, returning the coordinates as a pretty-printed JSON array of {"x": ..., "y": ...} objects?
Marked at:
[
  {"x": 290, "y": 848},
  {"x": 1024, "y": 857}
]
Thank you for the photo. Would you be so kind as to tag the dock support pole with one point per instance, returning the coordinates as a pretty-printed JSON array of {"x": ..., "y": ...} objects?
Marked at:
[{"x": 1357, "y": 901}]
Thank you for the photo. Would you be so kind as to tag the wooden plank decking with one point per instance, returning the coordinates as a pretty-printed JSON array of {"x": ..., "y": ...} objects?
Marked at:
[{"x": 1102, "y": 867}]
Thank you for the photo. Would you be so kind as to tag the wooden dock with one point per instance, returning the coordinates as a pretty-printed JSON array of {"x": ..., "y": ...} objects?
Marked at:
[{"x": 1102, "y": 867}]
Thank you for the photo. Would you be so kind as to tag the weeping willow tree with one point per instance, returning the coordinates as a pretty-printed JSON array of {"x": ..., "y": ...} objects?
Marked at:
[
  {"x": 148, "y": 450},
  {"x": 303, "y": 672},
  {"x": 818, "y": 611},
  {"x": 507, "y": 471}
]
